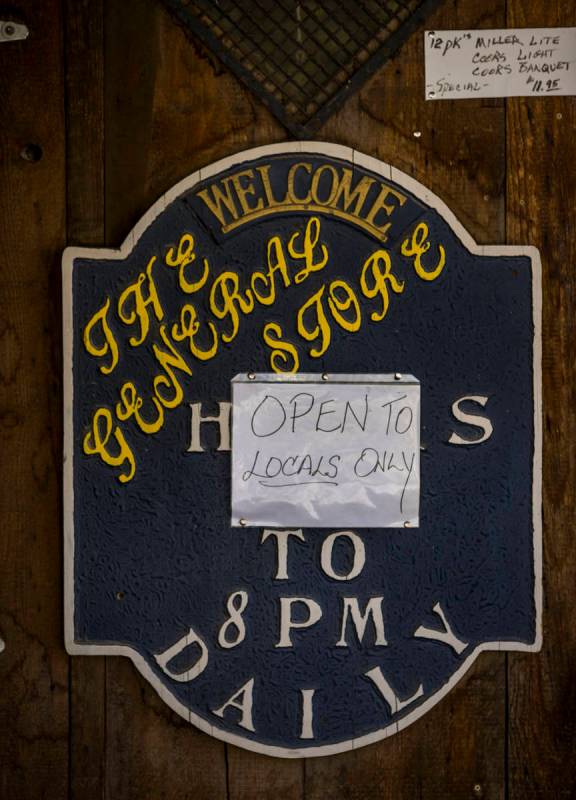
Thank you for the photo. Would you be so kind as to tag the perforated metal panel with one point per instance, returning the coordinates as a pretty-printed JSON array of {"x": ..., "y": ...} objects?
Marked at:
[{"x": 302, "y": 58}]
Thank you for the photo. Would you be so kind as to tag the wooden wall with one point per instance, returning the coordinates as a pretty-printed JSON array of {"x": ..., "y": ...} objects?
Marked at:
[{"x": 121, "y": 105}]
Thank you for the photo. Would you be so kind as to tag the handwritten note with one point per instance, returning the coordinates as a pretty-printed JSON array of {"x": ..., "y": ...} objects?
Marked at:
[
  {"x": 514, "y": 62},
  {"x": 326, "y": 453}
]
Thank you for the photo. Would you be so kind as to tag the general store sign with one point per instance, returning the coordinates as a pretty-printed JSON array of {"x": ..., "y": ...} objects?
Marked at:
[{"x": 302, "y": 443}]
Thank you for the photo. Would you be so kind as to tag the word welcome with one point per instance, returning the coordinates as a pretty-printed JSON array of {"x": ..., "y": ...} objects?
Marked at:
[{"x": 248, "y": 195}]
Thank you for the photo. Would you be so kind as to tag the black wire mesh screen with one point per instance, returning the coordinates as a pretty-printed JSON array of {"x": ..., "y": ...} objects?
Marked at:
[{"x": 302, "y": 58}]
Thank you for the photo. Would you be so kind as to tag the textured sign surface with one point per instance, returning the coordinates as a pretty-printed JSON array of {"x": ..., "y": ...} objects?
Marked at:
[
  {"x": 325, "y": 450},
  {"x": 305, "y": 258}
]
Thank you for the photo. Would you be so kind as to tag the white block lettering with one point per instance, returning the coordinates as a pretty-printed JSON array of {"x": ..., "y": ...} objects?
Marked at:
[
  {"x": 223, "y": 421},
  {"x": 475, "y": 420},
  {"x": 359, "y": 556},
  {"x": 244, "y": 705},
  {"x": 286, "y": 621},
  {"x": 282, "y": 547},
  {"x": 191, "y": 638},
  {"x": 360, "y": 620},
  {"x": 447, "y": 636},
  {"x": 307, "y": 714},
  {"x": 235, "y": 605},
  {"x": 387, "y": 692}
]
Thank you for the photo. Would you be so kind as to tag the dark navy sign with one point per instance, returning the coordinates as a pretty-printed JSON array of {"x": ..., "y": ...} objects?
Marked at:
[{"x": 299, "y": 258}]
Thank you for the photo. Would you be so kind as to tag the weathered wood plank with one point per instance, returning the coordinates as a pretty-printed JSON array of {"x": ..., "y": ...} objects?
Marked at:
[
  {"x": 457, "y": 148},
  {"x": 167, "y": 113},
  {"x": 209, "y": 115},
  {"x": 170, "y": 112},
  {"x": 462, "y": 160},
  {"x": 151, "y": 751},
  {"x": 186, "y": 83},
  {"x": 541, "y": 201},
  {"x": 252, "y": 776},
  {"x": 84, "y": 59},
  {"x": 33, "y": 665},
  {"x": 188, "y": 113}
]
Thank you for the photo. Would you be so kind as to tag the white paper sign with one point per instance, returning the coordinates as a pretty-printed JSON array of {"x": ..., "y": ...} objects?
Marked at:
[
  {"x": 314, "y": 452},
  {"x": 513, "y": 62}
]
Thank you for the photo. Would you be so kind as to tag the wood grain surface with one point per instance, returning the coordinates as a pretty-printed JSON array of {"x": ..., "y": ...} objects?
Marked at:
[
  {"x": 104, "y": 108},
  {"x": 541, "y": 188},
  {"x": 34, "y": 678},
  {"x": 84, "y": 32}
]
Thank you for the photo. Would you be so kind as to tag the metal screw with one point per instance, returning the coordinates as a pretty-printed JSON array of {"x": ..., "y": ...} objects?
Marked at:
[
  {"x": 397, "y": 376},
  {"x": 477, "y": 789},
  {"x": 324, "y": 376},
  {"x": 407, "y": 524},
  {"x": 417, "y": 134},
  {"x": 559, "y": 115},
  {"x": 32, "y": 153},
  {"x": 431, "y": 34},
  {"x": 9, "y": 30},
  {"x": 251, "y": 376},
  {"x": 120, "y": 595},
  {"x": 243, "y": 522},
  {"x": 431, "y": 94}
]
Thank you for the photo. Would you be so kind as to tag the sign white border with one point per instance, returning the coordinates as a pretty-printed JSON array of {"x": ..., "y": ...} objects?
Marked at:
[{"x": 433, "y": 201}]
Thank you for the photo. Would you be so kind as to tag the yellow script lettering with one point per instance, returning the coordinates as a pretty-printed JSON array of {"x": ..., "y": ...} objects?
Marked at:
[
  {"x": 311, "y": 236},
  {"x": 321, "y": 327},
  {"x": 419, "y": 245},
  {"x": 130, "y": 406},
  {"x": 96, "y": 441},
  {"x": 181, "y": 259},
  {"x": 374, "y": 281},
  {"x": 189, "y": 327},
  {"x": 276, "y": 263},
  {"x": 284, "y": 356},
  {"x": 108, "y": 345},
  {"x": 344, "y": 302},
  {"x": 225, "y": 301},
  {"x": 139, "y": 311},
  {"x": 168, "y": 361}
]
